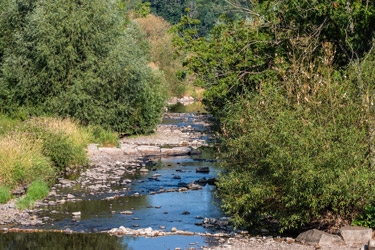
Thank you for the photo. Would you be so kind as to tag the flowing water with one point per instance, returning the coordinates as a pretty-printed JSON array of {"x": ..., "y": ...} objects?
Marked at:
[{"x": 161, "y": 210}]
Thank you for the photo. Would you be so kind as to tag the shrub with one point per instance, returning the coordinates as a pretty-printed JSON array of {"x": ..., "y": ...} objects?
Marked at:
[
  {"x": 366, "y": 218},
  {"x": 104, "y": 137},
  {"x": 23, "y": 203},
  {"x": 37, "y": 190},
  {"x": 22, "y": 160},
  {"x": 63, "y": 140},
  {"x": 4, "y": 194},
  {"x": 299, "y": 151}
]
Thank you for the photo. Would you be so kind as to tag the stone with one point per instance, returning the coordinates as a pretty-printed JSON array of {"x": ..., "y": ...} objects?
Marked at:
[
  {"x": 212, "y": 181},
  {"x": 177, "y": 177},
  {"x": 149, "y": 150},
  {"x": 203, "y": 170},
  {"x": 144, "y": 170},
  {"x": 70, "y": 196},
  {"x": 128, "y": 149},
  {"x": 51, "y": 203},
  {"x": 185, "y": 212},
  {"x": 176, "y": 151},
  {"x": 314, "y": 236},
  {"x": 371, "y": 245},
  {"x": 203, "y": 180},
  {"x": 123, "y": 229},
  {"x": 184, "y": 233},
  {"x": 173, "y": 229},
  {"x": 126, "y": 212},
  {"x": 111, "y": 151},
  {"x": 76, "y": 214},
  {"x": 356, "y": 234}
]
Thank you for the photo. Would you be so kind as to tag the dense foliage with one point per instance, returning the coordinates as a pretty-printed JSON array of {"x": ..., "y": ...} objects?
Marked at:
[
  {"x": 238, "y": 55},
  {"x": 76, "y": 59},
  {"x": 299, "y": 155},
  {"x": 292, "y": 87},
  {"x": 156, "y": 30},
  {"x": 207, "y": 12}
]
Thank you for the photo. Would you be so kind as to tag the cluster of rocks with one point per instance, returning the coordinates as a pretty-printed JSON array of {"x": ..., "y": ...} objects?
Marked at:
[
  {"x": 222, "y": 224},
  {"x": 349, "y": 237},
  {"x": 245, "y": 242},
  {"x": 149, "y": 232},
  {"x": 172, "y": 135},
  {"x": 9, "y": 215}
]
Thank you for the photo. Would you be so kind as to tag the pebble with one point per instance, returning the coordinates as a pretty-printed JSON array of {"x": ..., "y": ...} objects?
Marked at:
[{"x": 126, "y": 212}]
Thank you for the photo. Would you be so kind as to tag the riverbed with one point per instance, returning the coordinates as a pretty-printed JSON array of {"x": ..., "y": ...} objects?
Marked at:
[{"x": 134, "y": 191}]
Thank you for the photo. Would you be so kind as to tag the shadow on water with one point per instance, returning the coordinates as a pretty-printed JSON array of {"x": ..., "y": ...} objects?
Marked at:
[{"x": 79, "y": 241}]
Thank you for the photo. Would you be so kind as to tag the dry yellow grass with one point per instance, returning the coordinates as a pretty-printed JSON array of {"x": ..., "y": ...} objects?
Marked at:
[
  {"x": 77, "y": 135},
  {"x": 21, "y": 160}
]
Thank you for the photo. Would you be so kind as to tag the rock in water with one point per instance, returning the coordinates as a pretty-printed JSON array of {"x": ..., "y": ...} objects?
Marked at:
[
  {"x": 126, "y": 212},
  {"x": 203, "y": 170}
]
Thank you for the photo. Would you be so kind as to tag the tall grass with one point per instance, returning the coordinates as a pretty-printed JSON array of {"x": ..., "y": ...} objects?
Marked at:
[
  {"x": 41, "y": 147},
  {"x": 102, "y": 136},
  {"x": 7, "y": 124},
  {"x": 22, "y": 160},
  {"x": 63, "y": 140}
]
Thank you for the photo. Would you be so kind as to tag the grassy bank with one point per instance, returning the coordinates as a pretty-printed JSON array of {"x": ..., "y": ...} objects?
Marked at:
[{"x": 39, "y": 149}]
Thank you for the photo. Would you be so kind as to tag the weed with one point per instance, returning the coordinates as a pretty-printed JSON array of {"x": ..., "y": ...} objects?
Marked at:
[{"x": 4, "y": 194}]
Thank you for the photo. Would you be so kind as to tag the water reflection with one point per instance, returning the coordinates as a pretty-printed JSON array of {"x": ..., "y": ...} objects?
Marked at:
[{"x": 77, "y": 241}]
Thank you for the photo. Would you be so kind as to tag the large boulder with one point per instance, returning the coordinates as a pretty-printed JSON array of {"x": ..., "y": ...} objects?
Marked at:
[
  {"x": 356, "y": 235},
  {"x": 314, "y": 236}
]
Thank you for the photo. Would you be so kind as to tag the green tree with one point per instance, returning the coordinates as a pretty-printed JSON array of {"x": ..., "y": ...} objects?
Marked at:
[
  {"x": 76, "y": 59},
  {"x": 238, "y": 54}
]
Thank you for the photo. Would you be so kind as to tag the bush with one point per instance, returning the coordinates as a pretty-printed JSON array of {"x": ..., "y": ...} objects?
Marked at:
[
  {"x": 24, "y": 203},
  {"x": 366, "y": 218},
  {"x": 81, "y": 64},
  {"x": 63, "y": 140},
  {"x": 37, "y": 190},
  {"x": 299, "y": 151},
  {"x": 104, "y": 137},
  {"x": 22, "y": 160},
  {"x": 4, "y": 194}
]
